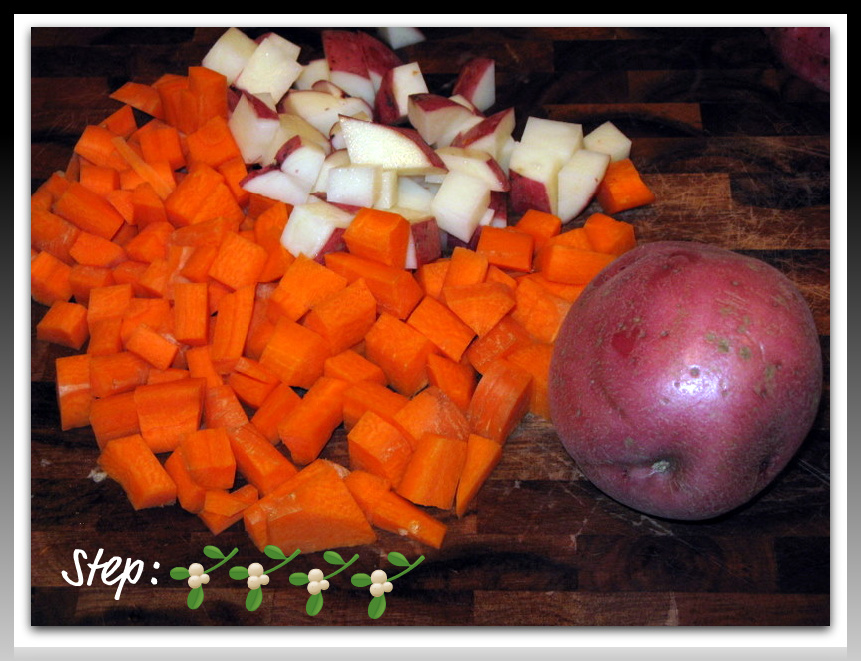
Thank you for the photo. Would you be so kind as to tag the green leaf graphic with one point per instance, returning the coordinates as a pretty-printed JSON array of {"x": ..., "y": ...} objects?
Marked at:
[
  {"x": 238, "y": 573},
  {"x": 361, "y": 580},
  {"x": 377, "y": 607},
  {"x": 333, "y": 558},
  {"x": 299, "y": 578},
  {"x": 314, "y": 604},
  {"x": 213, "y": 552},
  {"x": 398, "y": 559},
  {"x": 179, "y": 573},
  {"x": 254, "y": 599},
  {"x": 274, "y": 552},
  {"x": 195, "y": 598}
]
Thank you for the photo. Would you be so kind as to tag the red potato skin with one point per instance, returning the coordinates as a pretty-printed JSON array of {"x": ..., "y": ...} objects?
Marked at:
[
  {"x": 806, "y": 52},
  {"x": 685, "y": 378}
]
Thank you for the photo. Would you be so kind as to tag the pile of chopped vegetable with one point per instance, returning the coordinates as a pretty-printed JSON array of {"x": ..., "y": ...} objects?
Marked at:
[{"x": 213, "y": 362}]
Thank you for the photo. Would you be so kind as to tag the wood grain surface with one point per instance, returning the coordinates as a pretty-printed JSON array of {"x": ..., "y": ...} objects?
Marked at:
[{"x": 738, "y": 153}]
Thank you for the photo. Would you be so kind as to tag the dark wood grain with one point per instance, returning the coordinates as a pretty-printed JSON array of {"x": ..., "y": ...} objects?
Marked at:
[{"x": 738, "y": 153}]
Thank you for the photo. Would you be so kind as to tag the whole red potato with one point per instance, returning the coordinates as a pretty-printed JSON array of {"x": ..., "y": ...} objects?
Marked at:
[{"x": 684, "y": 378}]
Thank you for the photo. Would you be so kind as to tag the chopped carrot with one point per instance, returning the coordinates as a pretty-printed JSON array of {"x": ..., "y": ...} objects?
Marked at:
[
  {"x": 122, "y": 121},
  {"x": 499, "y": 340},
  {"x": 482, "y": 456},
  {"x": 500, "y": 401},
  {"x": 189, "y": 493},
  {"x": 49, "y": 279},
  {"x": 65, "y": 324},
  {"x": 379, "y": 235},
  {"x": 113, "y": 417},
  {"x": 74, "y": 390},
  {"x": 209, "y": 233},
  {"x": 197, "y": 265},
  {"x": 542, "y": 225},
  {"x": 52, "y": 234},
  {"x": 96, "y": 145},
  {"x": 389, "y": 511},
  {"x": 109, "y": 302},
  {"x": 150, "y": 244},
  {"x": 570, "y": 292},
  {"x": 152, "y": 346},
  {"x": 535, "y": 359},
  {"x": 273, "y": 409},
  {"x": 200, "y": 366},
  {"x": 539, "y": 310},
  {"x": 305, "y": 282},
  {"x": 130, "y": 273},
  {"x": 238, "y": 262},
  {"x": 230, "y": 327},
  {"x": 465, "y": 267},
  {"x": 344, "y": 317},
  {"x": 570, "y": 265},
  {"x": 209, "y": 457},
  {"x": 105, "y": 336},
  {"x": 506, "y": 247},
  {"x": 457, "y": 379},
  {"x": 202, "y": 194},
  {"x": 130, "y": 462},
  {"x": 498, "y": 276},
  {"x": 140, "y": 97},
  {"x": 163, "y": 144},
  {"x": 606, "y": 234},
  {"x": 100, "y": 179},
  {"x": 431, "y": 477},
  {"x": 167, "y": 374},
  {"x": 83, "y": 278},
  {"x": 159, "y": 276},
  {"x": 350, "y": 365},
  {"x": 312, "y": 511},
  {"x": 169, "y": 411},
  {"x": 432, "y": 411},
  {"x": 623, "y": 188},
  {"x": 401, "y": 351},
  {"x": 480, "y": 305},
  {"x": 94, "y": 250},
  {"x": 178, "y": 106},
  {"x": 191, "y": 313},
  {"x": 378, "y": 446},
  {"x": 575, "y": 237},
  {"x": 112, "y": 373},
  {"x": 222, "y": 509},
  {"x": 436, "y": 321},
  {"x": 431, "y": 276},
  {"x": 268, "y": 227},
  {"x": 258, "y": 460},
  {"x": 161, "y": 180},
  {"x": 222, "y": 408},
  {"x": 295, "y": 354},
  {"x": 308, "y": 426},
  {"x": 212, "y": 143},
  {"x": 362, "y": 396},
  {"x": 251, "y": 381},
  {"x": 396, "y": 290}
]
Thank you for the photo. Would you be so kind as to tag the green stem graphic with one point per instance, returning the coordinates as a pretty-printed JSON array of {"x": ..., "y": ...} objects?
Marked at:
[
  {"x": 343, "y": 567},
  {"x": 283, "y": 562},
  {"x": 223, "y": 560},
  {"x": 409, "y": 568}
]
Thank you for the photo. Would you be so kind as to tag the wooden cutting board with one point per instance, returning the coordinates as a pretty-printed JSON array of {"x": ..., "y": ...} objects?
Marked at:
[{"x": 737, "y": 151}]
